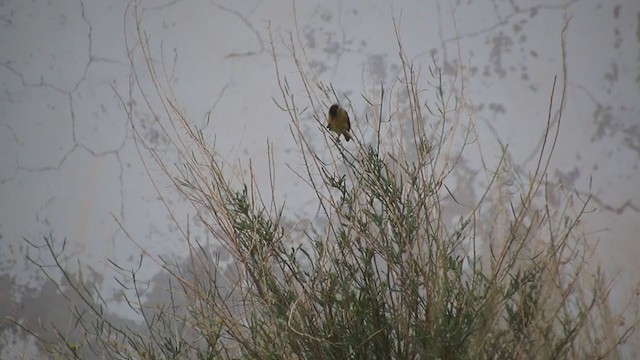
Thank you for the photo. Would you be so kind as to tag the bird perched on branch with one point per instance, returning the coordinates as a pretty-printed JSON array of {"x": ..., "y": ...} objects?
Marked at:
[{"x": 339, "y": 121}]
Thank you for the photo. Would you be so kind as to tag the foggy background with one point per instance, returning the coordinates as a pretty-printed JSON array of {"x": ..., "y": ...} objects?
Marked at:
[{"x": 69, "y": 166}]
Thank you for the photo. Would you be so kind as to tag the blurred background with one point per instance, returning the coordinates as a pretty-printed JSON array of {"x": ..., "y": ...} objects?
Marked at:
[{"x": 70, "y": 169}]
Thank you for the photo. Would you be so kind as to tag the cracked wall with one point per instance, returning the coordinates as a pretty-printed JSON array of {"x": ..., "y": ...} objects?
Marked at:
[{"x": 69, "y": 165}]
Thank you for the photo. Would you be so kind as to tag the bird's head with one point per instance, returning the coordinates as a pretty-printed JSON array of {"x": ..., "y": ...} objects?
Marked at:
[{"x": 333, "y": 110}]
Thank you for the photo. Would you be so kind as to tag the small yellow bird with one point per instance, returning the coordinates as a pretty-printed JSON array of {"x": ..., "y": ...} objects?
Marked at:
[{"x": 339, "y": 121}]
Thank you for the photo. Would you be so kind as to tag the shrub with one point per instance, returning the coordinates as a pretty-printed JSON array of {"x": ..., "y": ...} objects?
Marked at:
[{"x": 383, "y": 270}]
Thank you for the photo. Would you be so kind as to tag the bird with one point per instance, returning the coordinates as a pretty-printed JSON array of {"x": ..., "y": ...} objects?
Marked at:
[{"x": 339, "y": 121}]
